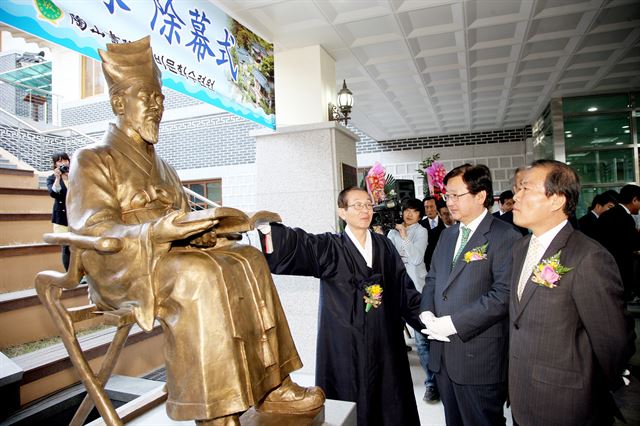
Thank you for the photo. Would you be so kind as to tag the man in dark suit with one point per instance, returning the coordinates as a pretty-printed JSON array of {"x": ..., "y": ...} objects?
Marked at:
[
  {"x": 617, "y": 232},
  {"x": 569, "y": 338},
  {"x": 434, "y": 225},
  {"x": 600, "y": 204},
  {"x": 505, "y": 203},
  {"x": 466, "y": 300}
]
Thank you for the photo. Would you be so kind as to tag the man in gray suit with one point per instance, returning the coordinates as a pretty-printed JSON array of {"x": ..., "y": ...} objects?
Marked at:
[
  {"x": 569, "y": 338},
  {"x": 466, "y": 299}
]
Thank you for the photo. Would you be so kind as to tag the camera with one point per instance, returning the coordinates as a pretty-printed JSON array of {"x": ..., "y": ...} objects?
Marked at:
[
  {"x": 64, "y": 168},
  {"x": 387, "y": 214}
]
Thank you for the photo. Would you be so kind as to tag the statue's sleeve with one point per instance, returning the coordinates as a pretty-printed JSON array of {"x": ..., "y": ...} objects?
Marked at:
[{"x": 93, "y": 208}]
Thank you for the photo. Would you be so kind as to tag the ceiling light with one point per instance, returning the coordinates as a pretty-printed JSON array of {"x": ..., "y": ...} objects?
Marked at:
[
  {"x": 569, "y": 135},
  {"x": 627, "y": 131},
  {"x": 625, "y": 127},
  {"x": 619, "y": 143},
  {"x": 567, "y": 132},
  {"x": 592, "y": 109}
]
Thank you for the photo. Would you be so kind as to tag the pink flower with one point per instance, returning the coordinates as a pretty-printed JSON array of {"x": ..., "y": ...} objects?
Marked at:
[
  {"x": 476, "y": 256},
  {"x": 549, "y": 275}
]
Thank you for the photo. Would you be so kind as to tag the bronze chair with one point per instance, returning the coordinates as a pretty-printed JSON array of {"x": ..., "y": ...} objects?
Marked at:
[{"x": 49, "y": 286}]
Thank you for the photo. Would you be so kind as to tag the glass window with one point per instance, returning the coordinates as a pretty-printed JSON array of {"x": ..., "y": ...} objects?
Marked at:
[
  {"x": 92, "y": 79},
  {"x": 603, "y": 166},
  {"x": 603, "y": 130},
  {"x": 586, "y": 104},
  {"x": 210, "y": 189}
]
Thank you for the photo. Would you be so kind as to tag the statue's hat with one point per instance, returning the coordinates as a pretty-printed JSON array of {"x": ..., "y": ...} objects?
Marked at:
[{"x": 125, "y": 63}]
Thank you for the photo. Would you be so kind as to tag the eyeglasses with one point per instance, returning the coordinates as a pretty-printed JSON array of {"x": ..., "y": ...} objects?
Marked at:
[
  {"x": 453, "y": 197},
  {"x": 361, "y": 206}
]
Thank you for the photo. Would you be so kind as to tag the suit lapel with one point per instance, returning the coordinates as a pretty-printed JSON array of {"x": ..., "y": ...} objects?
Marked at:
[
  {"x": 518, "y": 262},
  {"x": 478, "y": 238},
  {"x": 530, "y": 287}
]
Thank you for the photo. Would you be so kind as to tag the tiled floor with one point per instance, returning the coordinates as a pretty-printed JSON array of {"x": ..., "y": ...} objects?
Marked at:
[{"x": 431, "y": 414}]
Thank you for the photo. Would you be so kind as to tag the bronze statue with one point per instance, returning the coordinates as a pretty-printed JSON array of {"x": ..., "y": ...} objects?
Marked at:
[{"x": 227, "y": 341}]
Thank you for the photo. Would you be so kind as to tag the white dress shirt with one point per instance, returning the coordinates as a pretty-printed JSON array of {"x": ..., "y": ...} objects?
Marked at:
[
  {"x": 473, "y": 225},
  {"x": 367, "y": 250}
]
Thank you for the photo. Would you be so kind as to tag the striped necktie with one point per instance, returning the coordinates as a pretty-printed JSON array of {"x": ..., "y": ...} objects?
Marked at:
[{"x": 465, "y": 237}]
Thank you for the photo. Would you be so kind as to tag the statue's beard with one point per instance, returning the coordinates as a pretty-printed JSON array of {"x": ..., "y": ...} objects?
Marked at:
[{"x": 149, "y": 131}]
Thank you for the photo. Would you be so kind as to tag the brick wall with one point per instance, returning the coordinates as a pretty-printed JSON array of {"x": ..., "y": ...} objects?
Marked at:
[
  {"x": 101, "y": 110},
  {"x": 369, "y": 145}
]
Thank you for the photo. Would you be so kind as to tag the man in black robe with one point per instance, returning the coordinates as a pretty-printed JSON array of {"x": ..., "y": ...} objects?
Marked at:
[{"x": 361, "y": 354}]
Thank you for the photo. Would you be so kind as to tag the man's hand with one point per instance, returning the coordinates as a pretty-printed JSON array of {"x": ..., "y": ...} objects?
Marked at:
[
  {"x": 166, "y": 230},
  {"x": 437, "y": 328}
]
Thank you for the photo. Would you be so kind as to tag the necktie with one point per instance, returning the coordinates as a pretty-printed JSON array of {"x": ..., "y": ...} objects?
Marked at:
[
  {"x": 533, "y": 257},
  {"x": 433, "y": 223},
  {"x": 465, "y": 237}
]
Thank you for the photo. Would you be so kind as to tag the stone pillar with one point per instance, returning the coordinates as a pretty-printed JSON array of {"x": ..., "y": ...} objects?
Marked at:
[{"x": 299, "y": 170}]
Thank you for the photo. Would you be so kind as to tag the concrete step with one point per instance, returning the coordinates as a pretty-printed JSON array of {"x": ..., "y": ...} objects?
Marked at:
[
  {"x": 60, "y": 407},
  {"x": 24, "y": 308},
  {"x": 17, "y": 178},
  {"x": 24, "y": 200},
  {"x": 20, "y": 264},
  {"x": 23, "y": 228},
  {"x": 48, "y": 370}
]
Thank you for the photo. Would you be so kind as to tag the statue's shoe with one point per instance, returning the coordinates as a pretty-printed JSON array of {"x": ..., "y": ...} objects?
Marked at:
[
  {"x": 232, "y": 420},
  {"x": 291, "y": 398}
]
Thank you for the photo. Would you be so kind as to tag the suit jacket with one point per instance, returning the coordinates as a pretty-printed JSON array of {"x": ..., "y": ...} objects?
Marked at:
[
  {"x": 568, "y": 344},
  {"x": 587, "y": 224},
  {"x": 476, "y": 295},
  {"x": 434, "y": 235},
  {"x": 508, "y": 217},
  {"x": 617, "y": 232},
  {"x": 59, "y": 212}
]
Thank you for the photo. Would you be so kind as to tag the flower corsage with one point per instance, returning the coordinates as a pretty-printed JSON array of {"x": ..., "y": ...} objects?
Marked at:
[
  {"x": 549, "y": 271},
  {"x": 373, "y": 296},
  {"x": 476, "y": 253}
]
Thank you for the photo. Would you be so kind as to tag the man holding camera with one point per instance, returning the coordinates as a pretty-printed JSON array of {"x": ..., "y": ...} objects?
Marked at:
[{"x": 57, "y": 185}]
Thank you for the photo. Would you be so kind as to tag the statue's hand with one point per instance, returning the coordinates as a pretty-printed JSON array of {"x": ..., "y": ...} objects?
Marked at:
[
  {"x": 208, "y": 239},
  {"x": 166, "y": 229}
]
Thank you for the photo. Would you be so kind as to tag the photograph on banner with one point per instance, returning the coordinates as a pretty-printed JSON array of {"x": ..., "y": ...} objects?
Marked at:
[{"x": 201, "y": 51}]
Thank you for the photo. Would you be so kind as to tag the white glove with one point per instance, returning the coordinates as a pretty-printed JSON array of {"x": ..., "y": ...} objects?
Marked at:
[
  {"x": 429, "y": 319},
  {"x": 426, "y": 317},
  {"x": 442, "y": 326},
  {"x": 626, "y": 381},
  {"x": 265, "y": 232}
]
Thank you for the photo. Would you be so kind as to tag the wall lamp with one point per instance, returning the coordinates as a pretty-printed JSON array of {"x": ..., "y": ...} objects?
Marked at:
[{"x": 345, "y": 102}]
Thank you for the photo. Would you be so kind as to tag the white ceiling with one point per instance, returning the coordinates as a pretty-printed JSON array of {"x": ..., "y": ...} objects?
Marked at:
[{"x": 426, "y": 67}]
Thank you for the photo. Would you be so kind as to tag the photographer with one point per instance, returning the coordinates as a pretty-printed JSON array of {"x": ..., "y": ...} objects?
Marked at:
[
  {"x": 411, "y": 240},
  {"x": 57, "y": 186}
]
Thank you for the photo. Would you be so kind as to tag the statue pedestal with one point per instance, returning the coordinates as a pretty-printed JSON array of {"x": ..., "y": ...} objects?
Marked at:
[
  {"x": 149, "y": 409},
  {"x": 335, "y": 413}
]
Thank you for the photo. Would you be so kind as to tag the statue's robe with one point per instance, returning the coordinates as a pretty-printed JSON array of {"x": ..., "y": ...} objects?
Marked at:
[
  {"x": 361, "y": 356},
  {"x": 227, "y": 341}
]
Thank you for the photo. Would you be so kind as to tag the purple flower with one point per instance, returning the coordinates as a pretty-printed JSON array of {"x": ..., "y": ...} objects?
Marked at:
[{"x": 549, "y": 275}]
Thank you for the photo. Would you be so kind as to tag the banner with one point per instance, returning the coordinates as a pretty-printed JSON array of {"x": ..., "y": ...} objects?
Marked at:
[{"x": 201, "y": 51}]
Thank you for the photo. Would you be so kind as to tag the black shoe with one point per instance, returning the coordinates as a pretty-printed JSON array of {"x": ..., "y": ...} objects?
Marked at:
[{"x": 431, "y": 394}]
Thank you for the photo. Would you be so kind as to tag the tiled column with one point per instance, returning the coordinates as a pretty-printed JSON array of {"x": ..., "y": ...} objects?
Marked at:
[{"x": 299, "y": 173}]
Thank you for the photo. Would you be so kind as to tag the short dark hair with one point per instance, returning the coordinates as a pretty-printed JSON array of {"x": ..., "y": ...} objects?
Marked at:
[
  {"x": 427, "y": 198},
  {"x": 57, "y": 156},
  {"x": 562, "y": 180},
  {"x": 342, "y": 196},
  {"x": 505, "y": 195},
  {"x": 413, "y": 204},
  {"x": 603, "y": 199},
  {"x": 440, "y": 204},
  {"x": 477, "y": 178},
  {"x": 628, "y": 193}
]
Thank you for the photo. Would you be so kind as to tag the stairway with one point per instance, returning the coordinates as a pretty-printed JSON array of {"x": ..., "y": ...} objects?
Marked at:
[{"x": 25, "y": 214}]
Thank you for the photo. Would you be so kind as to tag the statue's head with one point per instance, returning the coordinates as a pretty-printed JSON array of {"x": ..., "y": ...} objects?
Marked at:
[{"x": 135, "y": 87}]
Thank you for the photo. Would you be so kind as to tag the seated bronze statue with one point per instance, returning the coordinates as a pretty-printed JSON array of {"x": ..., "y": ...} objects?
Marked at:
[{"x": 227, "y": 343}]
